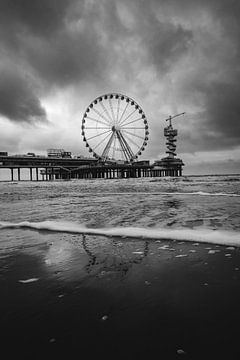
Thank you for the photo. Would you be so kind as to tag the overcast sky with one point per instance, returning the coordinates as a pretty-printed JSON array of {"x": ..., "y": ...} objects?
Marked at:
[{"x": 171, "y": 56}]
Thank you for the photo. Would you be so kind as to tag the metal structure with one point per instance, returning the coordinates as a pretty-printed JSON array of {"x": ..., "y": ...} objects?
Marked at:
[
  {"x": 171, "y": 134},
  {"x": 170, "y": 165},
  {"x": 115, "y": 128}
]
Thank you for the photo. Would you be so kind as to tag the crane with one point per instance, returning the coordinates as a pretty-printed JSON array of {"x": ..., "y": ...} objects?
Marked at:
[{"x": 172, "y": 117}]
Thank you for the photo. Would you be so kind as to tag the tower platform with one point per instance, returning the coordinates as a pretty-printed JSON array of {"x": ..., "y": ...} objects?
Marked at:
[{"x": 169, "y": 166}]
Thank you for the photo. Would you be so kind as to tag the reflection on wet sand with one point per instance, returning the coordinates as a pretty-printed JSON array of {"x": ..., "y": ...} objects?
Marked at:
[
  {"x": 122, "y": 259},
  {"x": 79, "y": 257}
]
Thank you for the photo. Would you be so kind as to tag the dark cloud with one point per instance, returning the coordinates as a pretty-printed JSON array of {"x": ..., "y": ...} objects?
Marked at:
[
  {"x": 223, "y": 107},
  {"x": 62, "y": 40},
  {"x": 39, "y": 17},
  {"x": 164, "y": 40},
  {"x": 57, "y": 40},
  {"x": 218, "y": 125},
  {"x": 215, "y": 81},
  {"x": 37, "y": 36},
  {"x": 66, "y": 59},
  {"x": 166, "y": 43},
  {"x": 17, "y": 99},
  {"x": 20, "y": 19},
  {"x": 61, "y": 43}
]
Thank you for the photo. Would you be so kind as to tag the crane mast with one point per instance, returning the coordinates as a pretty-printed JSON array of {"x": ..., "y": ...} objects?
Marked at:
[{"x": 172, "y": 117}]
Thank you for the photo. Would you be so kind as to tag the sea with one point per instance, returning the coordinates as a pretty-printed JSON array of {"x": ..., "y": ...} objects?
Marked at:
[
  {"x": 190, "y": 208},
  {"x": 121, "y": 268}
]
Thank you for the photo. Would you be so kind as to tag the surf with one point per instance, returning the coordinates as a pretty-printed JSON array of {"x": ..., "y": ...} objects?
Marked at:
[{"x": 218, "y": 237}]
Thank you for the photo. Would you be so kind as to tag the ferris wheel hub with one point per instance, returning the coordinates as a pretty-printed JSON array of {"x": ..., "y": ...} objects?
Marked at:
[{"x": 115, "y": 128}]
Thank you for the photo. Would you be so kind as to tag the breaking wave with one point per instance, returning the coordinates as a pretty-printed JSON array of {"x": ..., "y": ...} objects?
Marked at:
[
  {"x": 173, "y": 192},
  {"x": 199, "y": 193},
  {"x": 220, "y": 237}
]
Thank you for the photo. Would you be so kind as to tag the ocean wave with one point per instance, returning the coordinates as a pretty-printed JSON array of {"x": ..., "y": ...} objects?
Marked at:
[
  {"x": 203, "y": 193},
  {"x": 173, "y": 192},
  {"x": 220, "y": 237}
]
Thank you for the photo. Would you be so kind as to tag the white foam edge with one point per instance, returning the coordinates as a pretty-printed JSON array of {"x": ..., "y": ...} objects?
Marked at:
[{"x": 220, "y": 237}]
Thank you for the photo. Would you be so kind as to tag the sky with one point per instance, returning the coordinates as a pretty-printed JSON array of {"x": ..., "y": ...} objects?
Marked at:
[{"x": 170, "y": 56}]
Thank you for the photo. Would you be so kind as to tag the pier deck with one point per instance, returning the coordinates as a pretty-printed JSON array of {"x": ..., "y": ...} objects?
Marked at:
[{"x": 49, "y": 169}]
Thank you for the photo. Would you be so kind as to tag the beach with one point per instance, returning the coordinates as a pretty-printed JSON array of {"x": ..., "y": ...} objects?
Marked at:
[
  {"x": 143, "y": 301},
  {"x": 94, "y": 290}
]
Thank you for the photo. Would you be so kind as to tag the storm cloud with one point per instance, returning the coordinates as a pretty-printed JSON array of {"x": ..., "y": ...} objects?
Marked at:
[
  {"x": 169, "y": 55},
  {"x": 17, "y": 99}
]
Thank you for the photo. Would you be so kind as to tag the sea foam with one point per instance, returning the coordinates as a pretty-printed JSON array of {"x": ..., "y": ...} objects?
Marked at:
[
  {"x": 201, "y": 193},
  {"x": 221, "y": 237}
]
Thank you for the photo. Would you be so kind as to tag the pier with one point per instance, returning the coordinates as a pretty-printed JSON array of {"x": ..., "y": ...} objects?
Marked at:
[{"x": 42, "y": 168}]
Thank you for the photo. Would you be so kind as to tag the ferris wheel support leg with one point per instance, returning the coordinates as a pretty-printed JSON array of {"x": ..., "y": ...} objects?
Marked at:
[{"x": 107, "y": 147}]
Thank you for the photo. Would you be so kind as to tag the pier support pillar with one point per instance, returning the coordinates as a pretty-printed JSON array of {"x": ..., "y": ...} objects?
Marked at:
[
  {"x": 37, "y": 174},
  {"x": 19, "y": 175},
  {"x": 30, "y": 169},
  {"x": 12, "y": 174}
]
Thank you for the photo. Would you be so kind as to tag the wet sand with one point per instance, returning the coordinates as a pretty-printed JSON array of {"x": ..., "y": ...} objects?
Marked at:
[{"x": 165, "y": 300}]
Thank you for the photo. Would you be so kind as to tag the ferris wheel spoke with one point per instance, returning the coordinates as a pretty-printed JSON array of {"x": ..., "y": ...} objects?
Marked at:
[
  {"x": 95, "y": 147},
  {"x": 96, "y": 128},
  {"x": 125, "y": 109},
  {"x": 130, "y": 122},
  {"x": 132, "y": 128},
  {"x": 101, "y": 115},
  {"x": 106, "y": 110},
  {"x": 92, "y": 137},
  {"x": 107, "y": 147},
  {"x": 131, "y": 140},
  {"x": 97, "y": 120},
  {"x": 118, "y": 107},
  {"x": 111, "y": 107},
  {"x": 122, "y": 122},
  {"x": 130, "y": 133}
]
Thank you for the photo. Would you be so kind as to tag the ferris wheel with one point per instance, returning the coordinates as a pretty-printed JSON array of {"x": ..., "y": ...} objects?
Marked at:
[{"x": 114, "y": 127}]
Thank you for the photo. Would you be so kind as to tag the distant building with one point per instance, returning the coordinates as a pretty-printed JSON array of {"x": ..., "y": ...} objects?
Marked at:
[
  {"x": 142, "y": 162},
  {"x": 79, "y": 157},
  {"x": 58, "y": 153},
  {"x": 3, "y": 153}
]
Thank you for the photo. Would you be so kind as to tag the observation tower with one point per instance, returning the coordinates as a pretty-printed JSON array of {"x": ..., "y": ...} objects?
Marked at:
[{"x": 171, "y": 165}]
